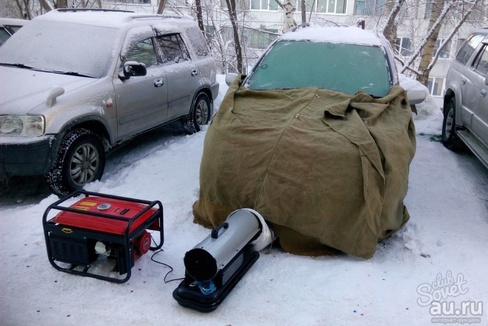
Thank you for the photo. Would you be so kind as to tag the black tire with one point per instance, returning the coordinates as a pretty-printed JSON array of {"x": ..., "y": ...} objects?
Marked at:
[
  {"x": 199, "y": 115},
  {"x": 80, "y": 160},
  {"x": 449, "y": 137}
]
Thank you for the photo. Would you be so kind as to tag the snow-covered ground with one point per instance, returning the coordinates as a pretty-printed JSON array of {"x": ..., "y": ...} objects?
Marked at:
[{"x": 435, "y": 267}]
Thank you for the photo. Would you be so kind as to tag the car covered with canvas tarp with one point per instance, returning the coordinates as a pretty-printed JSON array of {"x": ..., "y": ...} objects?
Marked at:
[{"x": 318, "y": 139}]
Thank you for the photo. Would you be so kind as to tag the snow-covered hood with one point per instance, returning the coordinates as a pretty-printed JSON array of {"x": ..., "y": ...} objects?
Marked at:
[{"x": 25, "y": 91}]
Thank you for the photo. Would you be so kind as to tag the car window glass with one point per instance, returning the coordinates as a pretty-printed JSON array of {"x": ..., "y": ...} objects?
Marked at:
[
  {"x": 4, "y": 35},
  {"x": 14, "y": 28},
  {"x": 468, "y": 48},
  {"x": 198, "y": 41},
  {"x": 143, "y": 52},
  {"x": 173, "y": 49},
  {"x": 343, "y": 68},
  {"x": 481, "y": 65}
]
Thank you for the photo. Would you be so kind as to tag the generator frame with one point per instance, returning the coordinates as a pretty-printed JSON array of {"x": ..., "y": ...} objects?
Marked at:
[{"x": 77, "y": 238}]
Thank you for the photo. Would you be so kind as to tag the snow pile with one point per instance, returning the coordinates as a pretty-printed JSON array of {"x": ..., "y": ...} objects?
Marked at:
[{"x": 426, "y": 108}]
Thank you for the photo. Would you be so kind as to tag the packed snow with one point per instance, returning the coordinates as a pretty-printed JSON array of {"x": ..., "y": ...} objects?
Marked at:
[{"x": 433, "y": 271}]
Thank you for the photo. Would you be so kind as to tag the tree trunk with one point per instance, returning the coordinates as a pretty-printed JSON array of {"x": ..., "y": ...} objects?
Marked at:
[
  {"x": 161, "y": 6},
  {"x": 453, "y": 31},
  {"x": 231, "y": 5},
  {"x": 288, "y": 19},
  {"x": 198, "y": 4},
  {"x": 45, "y": 5},
  {"x": 440, "y": 10},
  {"x": 390, "y": 30},
  {"x": 61, "y": 4},
  {"x": 24, "y": 9},
  {"x": 429, "y": 48},
  {"x": 304, "y": 12}
]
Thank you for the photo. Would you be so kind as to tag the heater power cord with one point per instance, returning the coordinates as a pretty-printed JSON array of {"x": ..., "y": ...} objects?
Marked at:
[{"x": 165, "y": 265}]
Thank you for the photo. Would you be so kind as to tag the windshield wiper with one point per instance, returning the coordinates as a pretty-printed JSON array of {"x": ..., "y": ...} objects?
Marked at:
[
  {"x": 70, "y": 73},
  {"x": 18, "y": 65}
]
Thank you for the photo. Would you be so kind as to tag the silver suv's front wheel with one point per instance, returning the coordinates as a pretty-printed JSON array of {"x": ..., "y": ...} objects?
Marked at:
[
  {"x": 80, "y": 160},
  {"x": 449, "y": 137}
]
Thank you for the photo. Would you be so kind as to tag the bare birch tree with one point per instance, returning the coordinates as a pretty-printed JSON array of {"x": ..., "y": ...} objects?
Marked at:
[
  {"x": 426, "y": 50},
  {"x": 161, "y": 6},
  {"x": 198, "y": 5},
  {"x": 24, "y": 7},
  {"x": 390, "y": 30},
  {"x": 231, "y": 6},
  {"x": 440, "y": 8}
]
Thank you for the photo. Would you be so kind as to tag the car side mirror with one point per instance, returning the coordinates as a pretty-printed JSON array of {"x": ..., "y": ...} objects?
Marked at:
[
  {"x": 416, "y": 96},
  {"x": 132, "y": 69}
]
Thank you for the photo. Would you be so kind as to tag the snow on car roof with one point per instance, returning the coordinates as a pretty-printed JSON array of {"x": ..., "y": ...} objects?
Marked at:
[
  {"x": 101, "y": 17},
  {"x": 350, "y": 35},
  {"x": 13, "y": 21}
]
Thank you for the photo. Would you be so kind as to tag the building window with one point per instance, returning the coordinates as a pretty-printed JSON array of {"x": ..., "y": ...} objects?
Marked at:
[
  {"x": 260, "y": 39},
  {"x": 369, "y": 7},
  {"x": 323, "y": 6},
  {"x": 404, "y": 46},
  {"x": 428, "y": 9},
  {"x": 264, "y": 5},
  {"x": 436, "y": 86},
  {"x": 444, "y": 54}
]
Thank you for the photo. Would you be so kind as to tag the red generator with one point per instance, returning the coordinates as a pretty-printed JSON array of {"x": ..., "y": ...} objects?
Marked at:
[{"x": 101, "y": 235}]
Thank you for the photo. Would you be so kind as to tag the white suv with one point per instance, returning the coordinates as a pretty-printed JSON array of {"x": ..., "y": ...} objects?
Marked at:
[{"x": 77, "y": 82}]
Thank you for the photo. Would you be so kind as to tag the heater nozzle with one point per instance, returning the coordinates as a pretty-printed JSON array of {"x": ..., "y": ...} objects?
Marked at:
[{"x": 201, "y": 263}]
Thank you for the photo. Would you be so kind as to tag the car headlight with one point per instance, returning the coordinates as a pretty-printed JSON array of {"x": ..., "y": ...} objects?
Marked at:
[{"x": 22, "y": 125}]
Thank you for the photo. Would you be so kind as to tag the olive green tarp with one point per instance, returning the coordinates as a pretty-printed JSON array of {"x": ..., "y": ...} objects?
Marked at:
[{"x": 327, "y": 171}]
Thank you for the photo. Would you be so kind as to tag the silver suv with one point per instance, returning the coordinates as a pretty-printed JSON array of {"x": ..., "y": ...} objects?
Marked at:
[
  {"x": 76, "y": 83},
  {"x": 466, "y": 100}
]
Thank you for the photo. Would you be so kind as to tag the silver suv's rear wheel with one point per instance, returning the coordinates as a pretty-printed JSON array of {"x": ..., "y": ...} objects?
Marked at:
[
  {"x": 200, "y": 114},
  {"x": 80, "y": 160}
]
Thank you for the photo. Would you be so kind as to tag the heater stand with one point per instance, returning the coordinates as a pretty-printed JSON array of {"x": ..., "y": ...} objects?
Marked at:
[{"x": 207, "y": 296}]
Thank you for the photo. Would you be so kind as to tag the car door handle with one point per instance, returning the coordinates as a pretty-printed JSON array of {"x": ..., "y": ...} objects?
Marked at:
[
  {"x": 158, "y": 82},
  {"x": 483, "y": 92},
  {"x": 194, "y": 72}
]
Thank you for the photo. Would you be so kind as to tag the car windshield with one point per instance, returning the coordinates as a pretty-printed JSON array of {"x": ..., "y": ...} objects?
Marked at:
[
  {"x": 57, "y": 47},
  {"x": 345, "y": 68}
]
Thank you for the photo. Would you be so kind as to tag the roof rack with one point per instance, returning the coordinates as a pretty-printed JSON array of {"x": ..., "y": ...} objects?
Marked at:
[
  {"x": 91, "y": 9},
  {"x": 142, "y": 16}
]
